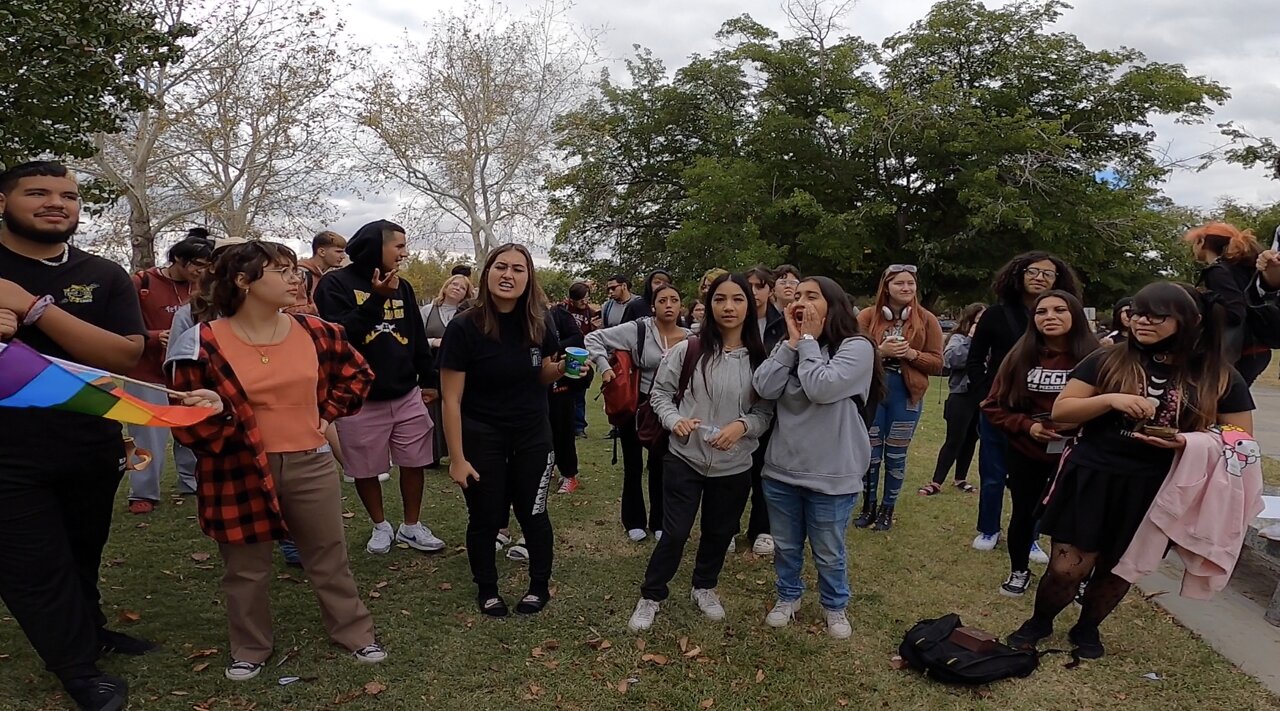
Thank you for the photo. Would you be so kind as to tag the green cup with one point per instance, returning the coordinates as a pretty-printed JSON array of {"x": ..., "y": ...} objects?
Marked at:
[{"x": 574, "y": 360}]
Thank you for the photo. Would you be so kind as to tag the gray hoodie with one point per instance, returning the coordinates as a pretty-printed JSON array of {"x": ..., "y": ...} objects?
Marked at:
[
  {"x": 724, "y": 397},
  {"x": 954, "y": 356},
  {"x": 624, "y": 338},
  {"x": 819, "y": 440}
]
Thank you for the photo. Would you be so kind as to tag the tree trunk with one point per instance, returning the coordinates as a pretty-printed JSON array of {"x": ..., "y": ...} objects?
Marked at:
[{"x": 142, "y": 242}]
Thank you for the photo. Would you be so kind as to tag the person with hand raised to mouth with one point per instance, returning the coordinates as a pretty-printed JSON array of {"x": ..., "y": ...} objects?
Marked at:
[
  {"x": 380, "y": 313},
  {"x": 496, "y": 361}
]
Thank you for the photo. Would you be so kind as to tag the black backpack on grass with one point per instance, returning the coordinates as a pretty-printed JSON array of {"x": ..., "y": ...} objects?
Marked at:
[{"x": 927, "y": 646}]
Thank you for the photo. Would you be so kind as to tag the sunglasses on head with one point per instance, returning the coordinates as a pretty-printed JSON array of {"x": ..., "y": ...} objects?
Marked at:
[{"x": 900, "y": 268}]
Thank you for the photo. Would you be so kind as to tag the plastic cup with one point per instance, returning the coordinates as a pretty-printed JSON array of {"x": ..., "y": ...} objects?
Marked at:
[{"x": 574, "y": 360}]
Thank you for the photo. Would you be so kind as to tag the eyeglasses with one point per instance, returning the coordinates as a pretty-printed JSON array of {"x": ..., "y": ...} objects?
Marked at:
[
  {"x": 1151, "y": 319},
  {"x": 1034, "y": 272},
  {"x": 788, "y": 282},
  {"x": 287, "y": 273}
]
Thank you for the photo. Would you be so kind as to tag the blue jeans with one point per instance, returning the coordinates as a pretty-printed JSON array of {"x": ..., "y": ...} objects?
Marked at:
[
  {"x": 897, "y": 416},
  {"x": 992, "y": 473},
  {"x": 796, "y": 512},
  {"x": 579, "y": 411}
]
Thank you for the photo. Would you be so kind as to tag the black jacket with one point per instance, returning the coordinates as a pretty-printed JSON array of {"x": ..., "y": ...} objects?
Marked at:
[
  {"x": 1229, "y": 283},
  {"x": 570, "y": 336},
  {"x": 636, "y": 308},
  {"x": 1000, "y": 328},
  {"x": 775, "y": 328},
  {"x": 388, "y": 332}
]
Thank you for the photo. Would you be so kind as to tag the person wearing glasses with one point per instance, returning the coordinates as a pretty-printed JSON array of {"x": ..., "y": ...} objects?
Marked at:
[
  {"x": 1017, "y": 286},
  {"x": 276, "y": 382},
  {"x": 379, "y": 311},
  {"x": 1119, "y": 330},
  {"x": 786, "y": 279},
  {"x": 622, "y": 306},
  {"x": 909, "y": 341}
]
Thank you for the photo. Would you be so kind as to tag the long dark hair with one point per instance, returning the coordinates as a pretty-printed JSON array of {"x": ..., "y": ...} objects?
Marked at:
[
  {"x": 713, "y": 340},
  {"x": 1010, "y": 385},
  {"x": 531, "y": 305},
  {"x": 1117, "y": 323},
  {"x": 1196, "y": 353},
  {"x": 841, "y": 325},
  {"x": 968, "y": 317},
  {"x": 249, "y": 259},
  {"x": 1008, "y": 283}
]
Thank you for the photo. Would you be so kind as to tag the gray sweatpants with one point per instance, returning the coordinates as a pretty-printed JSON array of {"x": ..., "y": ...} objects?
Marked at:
[{"x": 145, "y": 484}]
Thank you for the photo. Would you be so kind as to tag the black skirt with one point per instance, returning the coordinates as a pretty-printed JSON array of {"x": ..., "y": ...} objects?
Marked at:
[{"x": 1097, "y": 511}]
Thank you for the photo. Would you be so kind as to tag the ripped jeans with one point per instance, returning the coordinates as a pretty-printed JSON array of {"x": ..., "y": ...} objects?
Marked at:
[{"x": 897, "y": 416}]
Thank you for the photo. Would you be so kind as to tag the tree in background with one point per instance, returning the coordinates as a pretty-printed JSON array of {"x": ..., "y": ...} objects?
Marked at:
[
  {"x": 67, "y": 71},
  {"x": 970, "y": 136}
]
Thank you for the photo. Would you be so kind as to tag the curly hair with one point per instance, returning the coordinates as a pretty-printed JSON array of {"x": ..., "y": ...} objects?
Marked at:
[
  {"x": 249, "y": 259},
  {"x": 1008, "y": 283}
]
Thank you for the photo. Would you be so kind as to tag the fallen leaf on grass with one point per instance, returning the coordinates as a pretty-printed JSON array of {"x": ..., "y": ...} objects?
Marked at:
[
  {"x": 659, "y": 659},
  {"x": 842, "y": 702},
  {"x": 684, "y": 644},
  {"x": 200, "y": 557},
  {"x": 551, "y": 664},
  {"x": 375, "y": 594},
  {"x": 200, "y": 667},
  {"x": 374, "y": 688},
  {"x": 706, "y": 704},
  {"x": 179, "y": 693},
  {"x": 759, "y": 676},
  {"x": 446, "y": 586},
  {"x": 202, "y": 654},
  {"x": 381, "y": 584},
  {"x": 897, "y": 662},
  {"x": 693, "y": 652},
  {"x": 623, "y": 686},
  {"x": 551, "y": 645},
  {"x": 536, "y": 652},
  {"x": 640, "y": 644},
  {"x": 129, "y": 616},
  {"x": 348, "y": 514},
  {"x": 599, "y": 644}
]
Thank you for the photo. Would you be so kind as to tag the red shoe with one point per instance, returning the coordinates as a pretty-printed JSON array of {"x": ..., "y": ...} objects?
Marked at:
[
  {"x": 141, "y": 506},
  {"x": 568, "y": 485}
]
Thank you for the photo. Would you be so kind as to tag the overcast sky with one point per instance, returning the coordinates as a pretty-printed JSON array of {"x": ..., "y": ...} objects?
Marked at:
[{"x": 1235, "y": 42}]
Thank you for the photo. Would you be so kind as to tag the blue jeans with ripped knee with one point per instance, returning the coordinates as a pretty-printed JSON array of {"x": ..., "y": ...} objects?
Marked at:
[{"x": 891, "y": 434}]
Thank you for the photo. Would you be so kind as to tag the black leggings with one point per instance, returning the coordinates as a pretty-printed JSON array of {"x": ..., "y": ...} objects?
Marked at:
[
  {"x": 961, "y": 414},
  {"x": 1026, "y": 481},
  {"x": 563, "y": 435},
  {"x": 515, "y": 466}
]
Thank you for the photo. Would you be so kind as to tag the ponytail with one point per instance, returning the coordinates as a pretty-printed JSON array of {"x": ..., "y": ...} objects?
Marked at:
[{"x": 1230, "y": 242}]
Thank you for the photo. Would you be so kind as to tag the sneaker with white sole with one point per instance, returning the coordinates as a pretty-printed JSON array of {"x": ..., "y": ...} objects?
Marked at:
[
  {"x": 985, "y": 542},
  {"x": 642, "y": 618},
  {"x": 763, "y": 545},
  {"x": 568, "y": 485},
  {"x": 637, "y": 534},
  {"x": 373, "y": 654},
  {"x": 518, "y": 553},
  {"x": 384, "y": 476},
  {"x": 838, "y": 626},
  {"x": 657, "y": 535},
  {"x": 380, "y": 541},
  {"x": 709, "y": 602},
  {"x": 419, "y": 537},
  {"x": 1016, "y": 584},
  {"x": 1038, "y": 555},
  {"x": 783, "y": 613},
  {"x": 243, "y": 671}
]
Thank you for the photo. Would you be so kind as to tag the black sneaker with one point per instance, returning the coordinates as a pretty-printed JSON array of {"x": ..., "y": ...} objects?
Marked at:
[
  {"x": 1016, "y": 584},
  {"x": 99, "y": 693},
  {"x": 112, "y": 642},
  {"x": 1030, "y": 634},
  {"x": 1087, "y": 641}
]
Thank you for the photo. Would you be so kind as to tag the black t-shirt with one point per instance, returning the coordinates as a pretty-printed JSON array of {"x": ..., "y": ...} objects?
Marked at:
[
  {"x": 94, "y": 290},
  {"x": 1107, "y": 443},
  {"x": 503, "y": 386}
]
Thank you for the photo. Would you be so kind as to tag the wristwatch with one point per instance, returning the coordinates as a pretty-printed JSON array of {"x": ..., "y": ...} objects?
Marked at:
[{"x": 807, "y": 337}]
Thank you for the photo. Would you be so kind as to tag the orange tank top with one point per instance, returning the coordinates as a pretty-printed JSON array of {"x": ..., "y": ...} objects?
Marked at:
[{"x": 282, "y": 391}]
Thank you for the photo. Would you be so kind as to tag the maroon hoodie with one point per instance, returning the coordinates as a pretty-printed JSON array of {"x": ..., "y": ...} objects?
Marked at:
[
  {"x": 160, "y": 298},
  {"x": 1044, "y": 382}
]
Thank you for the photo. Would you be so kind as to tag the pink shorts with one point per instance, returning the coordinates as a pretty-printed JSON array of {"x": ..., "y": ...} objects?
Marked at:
[{"x": 386, "y": 432}]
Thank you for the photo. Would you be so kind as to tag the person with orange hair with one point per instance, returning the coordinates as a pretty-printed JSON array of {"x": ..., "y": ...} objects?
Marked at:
[
  {"x": 909, "y": 341},
  {"x": 1230, "y": 257}
]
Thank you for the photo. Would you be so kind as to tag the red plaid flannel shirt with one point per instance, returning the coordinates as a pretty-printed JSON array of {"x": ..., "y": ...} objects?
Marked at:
[{"x": 235, "y": 491}]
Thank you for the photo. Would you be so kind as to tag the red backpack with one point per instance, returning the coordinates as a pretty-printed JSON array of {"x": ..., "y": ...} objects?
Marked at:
[{"x": 622, "y": 394}]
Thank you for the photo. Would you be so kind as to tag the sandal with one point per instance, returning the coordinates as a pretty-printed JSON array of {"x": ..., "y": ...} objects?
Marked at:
[
  {"x": 532, "y": 604},
  {"x": 929, "y": 489},
  {"x": 965, "y": 486},
  {"x": 493, "y": 607}
]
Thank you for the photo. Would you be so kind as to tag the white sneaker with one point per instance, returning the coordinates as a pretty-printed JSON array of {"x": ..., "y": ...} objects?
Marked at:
[
  {"x": 783, "y": 613},
  {"x": 637, "y": 535},
  {"x": 518, "y": 553},
  {"x": 419, "y": 537},
  {"x": 709, "y": 602},
  {"x": 348, "y": 479},
  {"x": 657, "y": 535},
  {"x": 763, "y": 545},
  {"x": 986, "y": 543},
  {"x": 733, "y": 546},
  {"x": 243, "y": 671},
  {"x": 373, "y": 654},
  {"x": 384, "y": 476},
  {"x": 838, "y": 624},
  {"x": 380, "y": 541},
  {"x": 642, "y": 618},
  {"x": 1038, "y": 555}
]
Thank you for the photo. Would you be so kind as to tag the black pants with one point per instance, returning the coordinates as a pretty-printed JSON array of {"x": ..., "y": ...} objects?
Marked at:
[
  {"x": 1252, "y": 366},
  {"x": 515, "y": 466},
  {"x": 633, "y": 471},
  {"x": 684, "y": 492},
  {"x": 563, "y": 435},
  {"x": 961, "y": 414},
  {"x": 758, "y": 521},
  {"x": 1026, "y": 481},
  {"x": 55, "y": 516}
]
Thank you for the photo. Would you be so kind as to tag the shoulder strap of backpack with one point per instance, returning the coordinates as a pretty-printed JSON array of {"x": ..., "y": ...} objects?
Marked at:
[
  {"x": 692, "y": 353},
  {"x": 641, "y": 337}
]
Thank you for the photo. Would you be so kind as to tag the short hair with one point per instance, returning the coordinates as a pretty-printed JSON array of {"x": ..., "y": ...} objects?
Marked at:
[
  {"x": 32, "y": 169},
  {"x": 251, "y": 259},
  {"x": 200, "y": 232},
  {"x": 787, "y": 269},
  {"x": 763, "y": 273},
  {"x": 621, "y": 279},
  {"x": 327, "y": 238},
  {"x": 578, "y": 291},
  {"x": 190, "y": 249},
  {"x": 461, "y": 270}
]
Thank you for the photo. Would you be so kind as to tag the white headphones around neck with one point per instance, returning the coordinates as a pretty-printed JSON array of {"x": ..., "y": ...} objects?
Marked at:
[{"x": 890, "y": 316}]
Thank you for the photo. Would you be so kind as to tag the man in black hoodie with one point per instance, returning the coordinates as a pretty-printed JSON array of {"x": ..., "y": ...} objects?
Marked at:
[{"x": 380, "y": 314}]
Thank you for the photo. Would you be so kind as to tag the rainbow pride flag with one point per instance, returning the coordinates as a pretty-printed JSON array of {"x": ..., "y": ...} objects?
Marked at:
[{"x": 29, "y": 378}]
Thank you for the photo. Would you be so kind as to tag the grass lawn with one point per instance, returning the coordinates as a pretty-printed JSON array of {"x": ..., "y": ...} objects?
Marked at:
[{"x": 161, "y": 582}]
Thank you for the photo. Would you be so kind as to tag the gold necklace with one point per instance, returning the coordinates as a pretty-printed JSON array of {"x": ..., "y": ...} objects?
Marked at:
[{"x": 248, "y": 340}]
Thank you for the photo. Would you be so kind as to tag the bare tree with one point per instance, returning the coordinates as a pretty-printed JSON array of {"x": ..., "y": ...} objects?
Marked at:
[
  {"x": 466, "y": 118},
  {"x": 816, "y": 19},
  {"x": 242, "y": 131}
]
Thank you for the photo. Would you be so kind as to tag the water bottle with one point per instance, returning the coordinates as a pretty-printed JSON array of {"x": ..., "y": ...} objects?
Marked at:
[{"x": 709, "y": 432}]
